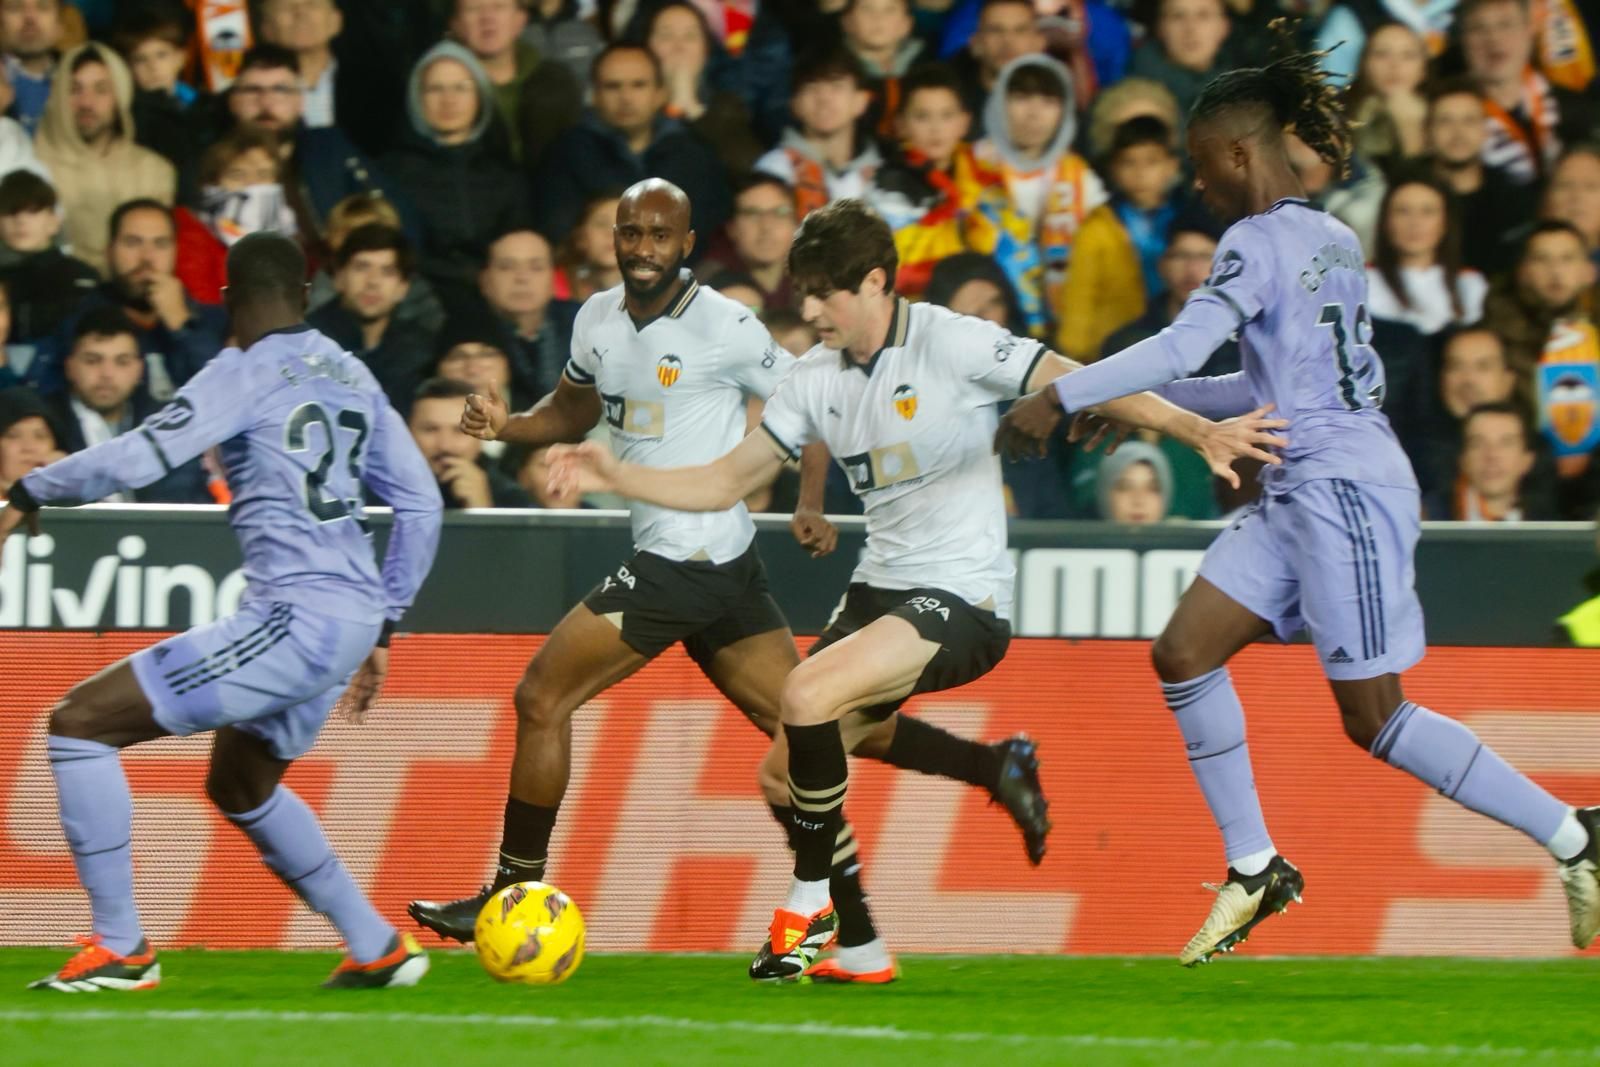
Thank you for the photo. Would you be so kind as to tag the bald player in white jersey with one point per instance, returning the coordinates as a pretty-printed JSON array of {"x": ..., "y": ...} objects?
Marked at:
[
  {"x": 670, "y": 366},
  {"x": 904, "y": 395}
]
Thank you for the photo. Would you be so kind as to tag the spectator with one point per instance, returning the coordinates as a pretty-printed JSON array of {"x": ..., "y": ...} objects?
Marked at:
[
  {"x": 588, "y": 260},
  {"x": 1574, "y": 192},
  {"x": 684, "y": 45},
  {"x": 332, "y": 96},
  {"x": 536, "y": 98},
  {"x": 31, "y": 32},
  {"x": 1115, "y": 267},
  {"x": 1185, "y": 49},
  {"x": 560, "y": 33},
  {"x": 757, "y": 239},
  {"x": 1386, "y": 100},
  {"x": 969, "y": 283},
  {"x": 28, "y": 436},
  {"x": 1007, "y": 31},
  {"x": 43, "y": 283},
  {"x": 517, "y": 286},
  {"x": 738, "y": 287},
  {"x": 421, "y": 306},
  {"x": 1096, "y": 34},
  {"x": 825, "y": 157},
  {"x": 1184, "y": 267},
  {"x": 104, "y": 398},
  {"x": 915, "y": 190},
  {"x": 1417, "y": 277},
  {"x": 241, "y": 193},
  {"x": 1552, "y": 284},
  {"x": 322, "y": 166},
  {"x": 1355, "y": 200},
  {"x": 1497, "y": 455},
  {"x": 1128, "y": 99},
  {"x": 1133, "y": 485},
  {"x": 1487, "y": 204},
  {"x": 793, "y": 333},
  {"x": 879, "y": 34},
  {"x": 170, "y": 117},
  {"x": 1473, "y": 371},
  {"x": 372, "y": 269},
  {"x": 453, "y": 164},
  {"x": 626, "y": 139},
  {"x": 534, "y": 478},
  {"x": 466, "y": 480},
  {"x": 87, "y": 141},
  {"x": 1529, "y": 120},
  {"x": 176, "y": 334},
  {"x": 468, "y": 350},
  {"x": 1026, "y": 192}
]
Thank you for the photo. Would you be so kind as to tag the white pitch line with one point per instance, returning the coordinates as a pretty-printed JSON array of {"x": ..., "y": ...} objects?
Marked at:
[{"x": 813, "y": 1030}]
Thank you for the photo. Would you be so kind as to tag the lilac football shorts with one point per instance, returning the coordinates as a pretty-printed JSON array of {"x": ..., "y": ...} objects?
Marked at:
[
  {"x": 1334, "y": 557},
  {"x": 274, "y": 670}
]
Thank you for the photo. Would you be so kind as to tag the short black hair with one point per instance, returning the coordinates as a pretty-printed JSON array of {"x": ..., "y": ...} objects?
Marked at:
[
  {"x": 166, "y": 20},
  {"x": 1530, "y": 440},
  {"x": 726, "y": 279},
  {"x": 142, "y": 203},
  {"x": 1457, "y": 85},
  {"x": 90, "y": 54},
  {"x": 757, "y": 179},
  {"x": 376, "y": 237},
  {"x": 107, "y": 321},
  {"x": 837, "y": 246},
  {"x": 470, "y": 330},
  {"x": 442, "y": 389},
  {"x": 1545, "y": 227},
  {"x": 782, "y": 320},
  {"x": 1467, "y": 7},
  {"x": 1036, "y": 79},
  {"x": 826, "y": 64},
  {"x": 269, "y": 57},
  {"x": 1194, "y": 218},
  {"x": 23, "y": 190},
  {"x": 1139, "y": 131},
  {"x": 625, "y": 46},
  {"x": 931, "y": 76},
  {"x": 266, "y": 266}
]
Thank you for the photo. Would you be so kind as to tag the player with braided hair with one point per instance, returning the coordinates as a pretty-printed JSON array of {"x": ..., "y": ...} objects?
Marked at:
[{"x": 1329, "y": 548}]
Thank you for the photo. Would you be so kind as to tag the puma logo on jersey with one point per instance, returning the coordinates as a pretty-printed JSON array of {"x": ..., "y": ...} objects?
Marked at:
[
  {"x": 668, "y": 368},
  {"x": 905, "y": 402}
]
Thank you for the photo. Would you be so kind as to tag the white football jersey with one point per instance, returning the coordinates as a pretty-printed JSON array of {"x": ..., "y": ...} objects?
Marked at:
[
  {"x": 914, "y": 431},
  {"x": 674, "y": 394}
]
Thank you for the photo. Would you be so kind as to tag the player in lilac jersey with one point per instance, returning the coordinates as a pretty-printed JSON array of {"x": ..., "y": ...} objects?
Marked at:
[
  {"x": 1329, "y": 547},
  {"x": 303, "y": 429}
]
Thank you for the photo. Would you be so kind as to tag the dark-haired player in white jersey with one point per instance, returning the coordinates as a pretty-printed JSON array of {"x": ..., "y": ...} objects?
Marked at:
[
  {"x": 670, "y": 366},
  {"x": 905, "y": 396}
]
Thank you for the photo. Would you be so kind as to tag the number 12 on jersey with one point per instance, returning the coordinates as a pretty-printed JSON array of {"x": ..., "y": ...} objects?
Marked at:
[{"x": 1354, "y": 387}]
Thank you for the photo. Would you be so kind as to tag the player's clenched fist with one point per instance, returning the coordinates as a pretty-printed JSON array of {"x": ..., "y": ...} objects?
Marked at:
[
  {"x": 1026, "y": 429},
  {"x": 582, "y": 468},
  {"x": 485, "y": 416}
]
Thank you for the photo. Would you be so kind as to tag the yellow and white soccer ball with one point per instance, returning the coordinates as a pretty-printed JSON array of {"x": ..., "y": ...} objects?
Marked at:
[{"x": 531, "y": 933}]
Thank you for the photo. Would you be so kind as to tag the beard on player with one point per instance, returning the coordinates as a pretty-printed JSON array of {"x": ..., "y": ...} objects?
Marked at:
[{"x": 646, "y": 290}]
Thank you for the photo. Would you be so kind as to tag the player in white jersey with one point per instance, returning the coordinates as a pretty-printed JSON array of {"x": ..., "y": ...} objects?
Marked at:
[
  {"x": 905, "y": 396},
  {"x": 670, "y": 367}
]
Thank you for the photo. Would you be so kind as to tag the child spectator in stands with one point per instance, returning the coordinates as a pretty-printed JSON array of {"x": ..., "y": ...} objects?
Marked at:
[
  {"x": 682, "y": 41},
  {"x": 28, "y": 437},
  {"x": 454, "y": 164},
  {"x": 879, "y": 34},
  {"x": 421, "y": 306},
  {"x": 825, "y": 156},
  {"x": 1027, "y": 193},
  {"x": 1128, "y": 99},
  {"x": 1386, "y": 100},
  {"x": 588, "y": 261},
  {"x": 43, "y": 283},
  {"x": 1115, "y": 266},
  {"x": 170, "y": 116},
  {"x": 1133, "y": 485},
  {"x": 915, "y": 190},
  {"x": 241, "y": 193}
]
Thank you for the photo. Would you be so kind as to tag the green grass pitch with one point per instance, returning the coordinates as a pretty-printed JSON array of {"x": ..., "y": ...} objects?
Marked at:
[{"x": 248, "y": 1008}]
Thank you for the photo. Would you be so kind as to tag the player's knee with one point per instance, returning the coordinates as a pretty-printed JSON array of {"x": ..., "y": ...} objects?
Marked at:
[
  {"x": 1178, "y": 659},
  {"x": 537, "y": 707},
  {"x": 235, "y": 794},
  {"x": 805, "y": 701}
]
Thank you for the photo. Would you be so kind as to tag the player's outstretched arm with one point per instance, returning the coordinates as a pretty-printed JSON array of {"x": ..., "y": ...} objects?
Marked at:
[
  {"x": 565, "y": 415},
  {"x": 591, "y": 468}
]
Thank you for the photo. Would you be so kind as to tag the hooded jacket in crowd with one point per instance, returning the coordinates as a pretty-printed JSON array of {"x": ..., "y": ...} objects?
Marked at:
[
  {"x": 815, "y": 183},
  {"x": 465, "y": 194},
  {"x": 1027, "y": 212},
  {"x": 89, "y": 182}
]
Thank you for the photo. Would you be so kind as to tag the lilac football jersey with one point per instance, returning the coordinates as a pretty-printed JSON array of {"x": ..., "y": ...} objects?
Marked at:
[
  {"x": 303, "y": 427},
  {"x": 1296, "y": 281}
]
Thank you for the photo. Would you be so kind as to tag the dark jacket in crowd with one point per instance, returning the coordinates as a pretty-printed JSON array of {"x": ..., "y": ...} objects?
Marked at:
[
  {"x": 1491, "y": 220},
  {"x": 45, "y": 288},
  {"x": 171, "y": 357},
  {"x": 465, "y": 195},
  {"x": 179, "y": 132},
  {"x": 400, "y": 361},
  {"x": 184, "y": 484},
  {"x": 325, "y": 168},
  {"x": 504, "y": 492}
]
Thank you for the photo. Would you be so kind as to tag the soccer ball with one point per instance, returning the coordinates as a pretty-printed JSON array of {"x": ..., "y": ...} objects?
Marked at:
[{"x": 530, "y": 933}]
